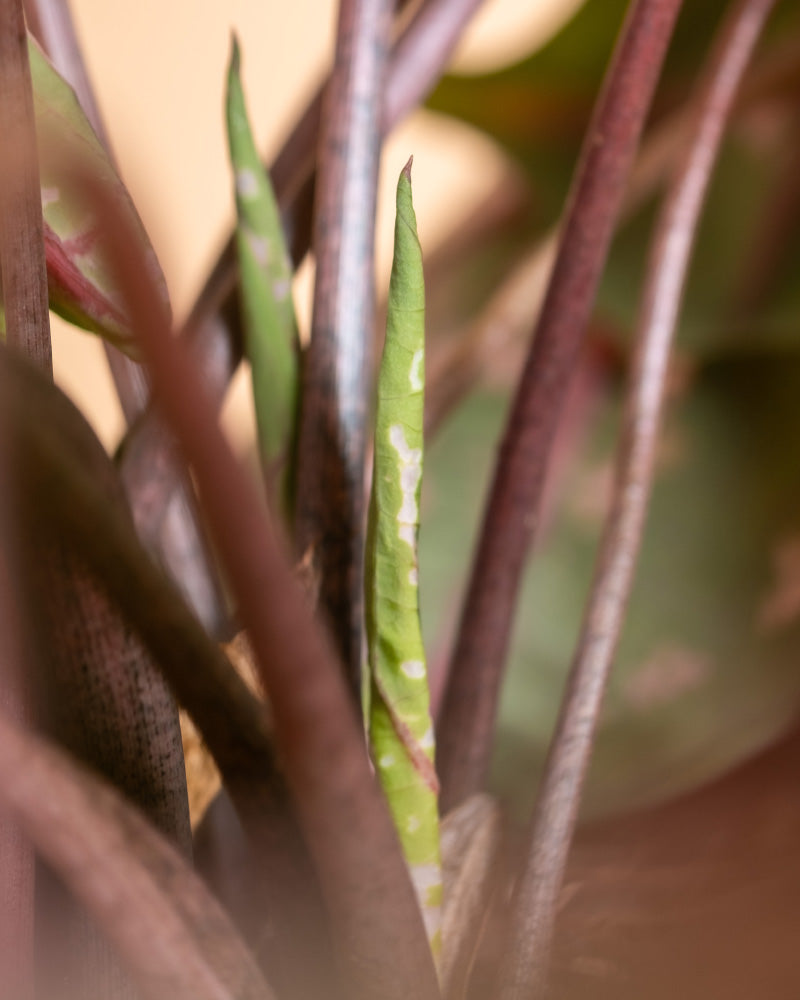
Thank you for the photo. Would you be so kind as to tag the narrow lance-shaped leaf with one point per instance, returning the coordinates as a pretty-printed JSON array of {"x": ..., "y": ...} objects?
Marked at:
[
  {"x": 266, "y": 290},
  {"x": 81, "y": 286},
  {"x": 400, "y": 727}
]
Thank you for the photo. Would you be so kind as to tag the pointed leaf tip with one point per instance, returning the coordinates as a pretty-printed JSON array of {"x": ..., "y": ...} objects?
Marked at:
[
  {"x": 236, "y": 54},
  {"x": 266, "y": 282}
]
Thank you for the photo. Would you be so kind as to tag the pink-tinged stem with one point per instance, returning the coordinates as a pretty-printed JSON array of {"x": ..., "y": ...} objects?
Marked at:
[
  {"x": 466, "y": 730},
  {"x": 175, "y": 533},
  {"x": 524, "y": 968},
  {"x": 22, "y": 256},
  {"x": 417, "y": 59},
  {"x": 24, "y": 282},
  {"x": 376, "y": 922},
  {"x": 173, "y": 935},
  {"x": 16, "y": 853},
  {"x": 329, "y": 514}
]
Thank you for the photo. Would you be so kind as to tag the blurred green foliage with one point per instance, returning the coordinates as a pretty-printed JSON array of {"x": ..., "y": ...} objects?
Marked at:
[{"x": 706, "y": 670}]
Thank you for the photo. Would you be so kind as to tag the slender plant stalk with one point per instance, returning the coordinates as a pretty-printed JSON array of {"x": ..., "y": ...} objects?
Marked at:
[
  {"x": 60, "y": 474},
  {"x": 375, "y": 919},
  {"x": 214, "y": 327},
  {"x": 416, "y": 62},
  {"x": 421, "y": 53},
  {"x": 329, "y": 496},
  {"x": 25, "y": 298},
  {"x": 524, "y": 967},
  {"x": 470, "y": 702},
  {"x": 21, "y": 229},
  {"x": 16, "y": 854},
  {"x": 90, "y": 659},
  {"x": 174, "y": 936},
  {"x": 176, "y": 533}
]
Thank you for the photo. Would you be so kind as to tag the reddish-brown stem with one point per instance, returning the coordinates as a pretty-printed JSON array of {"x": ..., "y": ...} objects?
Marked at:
[
  {"x": 344, "y": 819},
  {"x": 16, "y": 853},
  {"x": 175, "y": 937},
  {"x": 467, "y": 721},
  {"x": 61, "y": 474},
  {"x": 177, "y": 534},
  {"x": 21, "y": 230},
  {"x": 25, "y": 299},
  {"x": 524, "y": 967},
  {"x": 416, "y": 62},
  {"x": 421, "y": 54},
  {"x": 329, "y": 514},
  {"x": 213, "y": 326}
]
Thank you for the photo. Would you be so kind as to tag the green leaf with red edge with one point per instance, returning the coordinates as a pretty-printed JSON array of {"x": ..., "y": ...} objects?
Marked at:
[{"x": 82, "y": 287}]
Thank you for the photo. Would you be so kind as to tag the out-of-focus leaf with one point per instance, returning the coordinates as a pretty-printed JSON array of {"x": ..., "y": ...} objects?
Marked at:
[
  {"x": 738, "y": 198},
  {"x": 538, "y": 111},
  {"x": 266, "y": 289},
  {"x": 82, "y": 287},
  {"x": 706, "y": 671},
  {"x": 174, "y": 936}
]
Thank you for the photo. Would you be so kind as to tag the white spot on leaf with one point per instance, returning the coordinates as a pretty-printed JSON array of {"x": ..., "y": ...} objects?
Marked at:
[
  {"x": 415, "y": 372},
  {"x": 426, "y": 877},
  {"x": 413, "y": 669},
  {"x": 406, "y": 534},
  {"x": 387, "y": 760},
  {"x": 246, "y": 184},
  {"x": 427, "y": 880},
  {"x": 410, "y": 474},
  {"x": 260, "y": 248},
  {"x": 413, "y": 824}
]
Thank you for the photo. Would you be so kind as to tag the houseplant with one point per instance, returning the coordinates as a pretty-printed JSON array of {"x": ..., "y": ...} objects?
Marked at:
[{"x": 327, "y": 885}]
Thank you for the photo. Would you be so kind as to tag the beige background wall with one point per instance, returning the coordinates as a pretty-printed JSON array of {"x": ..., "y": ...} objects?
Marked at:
[{"x": 159, "y": 68}]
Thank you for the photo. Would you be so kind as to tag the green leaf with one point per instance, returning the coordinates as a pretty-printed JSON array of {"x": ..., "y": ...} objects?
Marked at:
[
  {"x": 538, "y": 111},
  {"x": 82, "y": 287},
  {"x": 706, "y": 669},
  {"x": 538, "y": 108},
  {"x": 266, "y": 290},
  {"x": 400, "y": 726}
]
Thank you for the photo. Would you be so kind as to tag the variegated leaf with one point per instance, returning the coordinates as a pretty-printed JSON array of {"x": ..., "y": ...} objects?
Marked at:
[
  {"x": 400, "y": 727},
  {"x": 266, "y": 290}
]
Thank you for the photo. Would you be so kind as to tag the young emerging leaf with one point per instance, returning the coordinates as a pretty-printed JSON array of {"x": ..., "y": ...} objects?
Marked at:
[
  {"x": 266, "y": 290},
  {"x": 81, "y": 285},
  {"x": 400, "y": 727}
]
